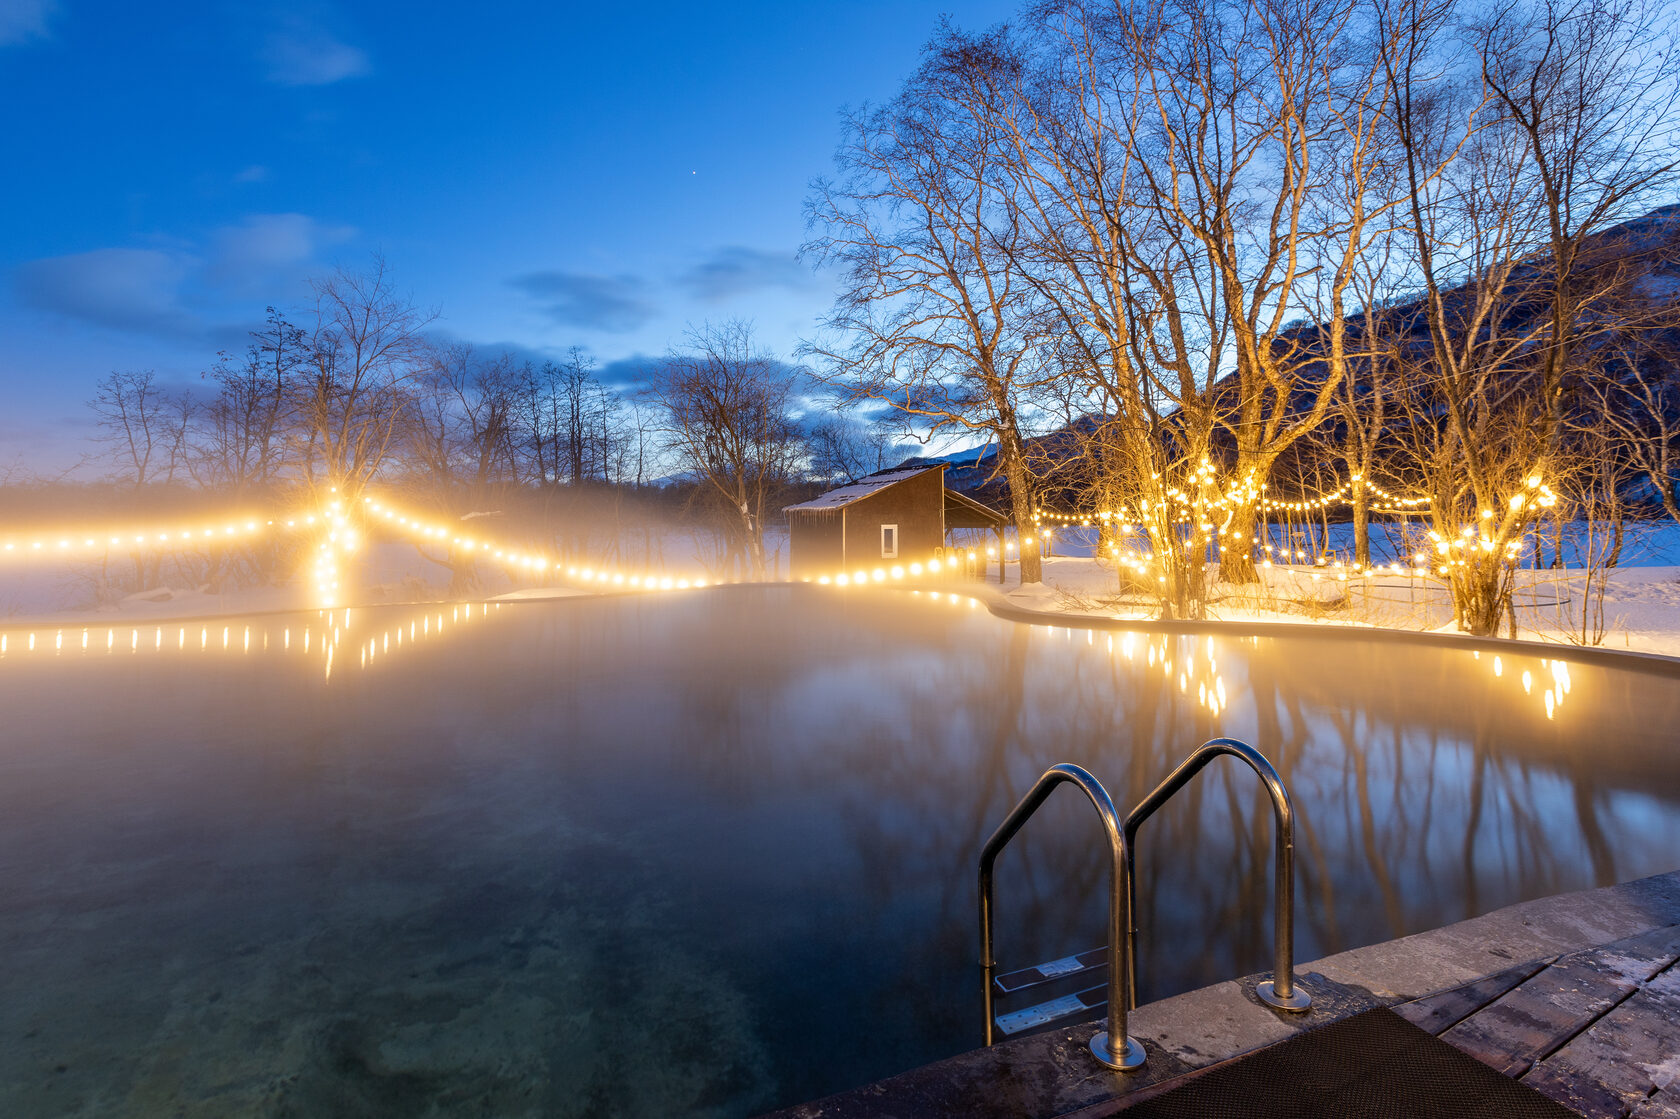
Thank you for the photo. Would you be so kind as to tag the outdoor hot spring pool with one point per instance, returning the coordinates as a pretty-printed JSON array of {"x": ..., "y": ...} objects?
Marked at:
[{"x": 713, "y": 853}]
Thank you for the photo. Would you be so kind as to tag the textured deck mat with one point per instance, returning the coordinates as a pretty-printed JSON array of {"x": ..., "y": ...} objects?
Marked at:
[{"x": 1375, "y": 1065}]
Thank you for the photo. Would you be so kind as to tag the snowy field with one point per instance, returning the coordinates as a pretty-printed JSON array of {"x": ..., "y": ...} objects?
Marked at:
[
  {"x": 1640, "y": 608},
  {"x": 1641, "y": 605}
]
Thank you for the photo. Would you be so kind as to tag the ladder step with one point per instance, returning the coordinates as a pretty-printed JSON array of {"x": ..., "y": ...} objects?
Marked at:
[
  {"x": 1029, "y": 977},
  {"x": 1080, "y": 1002}
]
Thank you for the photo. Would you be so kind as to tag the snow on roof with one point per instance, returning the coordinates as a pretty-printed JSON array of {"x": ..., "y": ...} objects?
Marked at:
[{"x": 858, "y": 490}]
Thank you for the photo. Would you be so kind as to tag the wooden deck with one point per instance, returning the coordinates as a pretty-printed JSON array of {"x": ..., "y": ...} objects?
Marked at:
[{"x": 1596, "y": 1030}]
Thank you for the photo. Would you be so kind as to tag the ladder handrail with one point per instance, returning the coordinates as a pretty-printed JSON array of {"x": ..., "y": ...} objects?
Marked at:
[
  {"x": 1281, "y": 992},
  {"x": 1113, "y": 1047}
]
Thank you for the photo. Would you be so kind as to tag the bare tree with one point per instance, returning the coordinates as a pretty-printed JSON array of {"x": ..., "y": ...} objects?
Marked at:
[
  {"x": 571, "y": 427},
  {"x": 1260, "y": 139},
  {"x": 457, "y": 441},
  {"x": 1134, "y": 317},
  {"x": 239, "y": 440},
  {"x": 1570, "y": 129},
  {"x": 142, "y": 427},
  {"x": 366, "y": 347},
  {"x": 935, "y": 315},
  {"x": 845, "y": 447},
  {"x": 1635, "y": 406},
  {"x": 727, "y": 418},
  {"x": 457, "y": 445},
  {"x": 1180, "y": 168}
]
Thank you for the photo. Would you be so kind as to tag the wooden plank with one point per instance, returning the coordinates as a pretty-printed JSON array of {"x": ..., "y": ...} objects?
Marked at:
[
  {"x": 1540, "y": 1015},
  {"x": 1544, "y": 1012},
  {"x": 1439, "y": 1012},
  {"x": 1625, "y": 1057},
  {"x": 1663, "y": 1105}
]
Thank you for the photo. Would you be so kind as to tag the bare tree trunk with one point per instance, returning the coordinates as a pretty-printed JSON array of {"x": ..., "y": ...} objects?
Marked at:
[
  {"x": 1021, "y": 506},
  {"x": 1361, "y": 527}
]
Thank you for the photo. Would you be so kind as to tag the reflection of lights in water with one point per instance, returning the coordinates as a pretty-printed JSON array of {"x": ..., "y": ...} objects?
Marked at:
[
  {"x": 1552, "y": 697},
  {"x": 324, "y": 641},
  {"x": 1175, "y": 656},
  {"x": 1192, "y": 665}
]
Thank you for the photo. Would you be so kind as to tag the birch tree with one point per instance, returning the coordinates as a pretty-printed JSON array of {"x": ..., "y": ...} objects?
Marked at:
[
  {"x": 934, "y": 314},
  {"x": 1571, "y": 119}
]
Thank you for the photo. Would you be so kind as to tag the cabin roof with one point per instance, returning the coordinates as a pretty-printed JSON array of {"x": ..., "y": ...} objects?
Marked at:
[
  {"x": 860, "y": 489},
  {"x": 962, "y": 511}
]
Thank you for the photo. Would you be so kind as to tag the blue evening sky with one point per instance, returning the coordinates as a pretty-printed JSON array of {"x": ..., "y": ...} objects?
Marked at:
[{"x": 546, "y": 174}]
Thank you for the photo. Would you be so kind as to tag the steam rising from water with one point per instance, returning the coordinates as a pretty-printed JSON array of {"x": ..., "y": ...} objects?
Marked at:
[{"x": 501, "y": 863}]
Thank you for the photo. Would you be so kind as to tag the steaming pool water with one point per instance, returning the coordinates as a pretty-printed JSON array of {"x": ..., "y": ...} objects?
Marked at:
[{"x": 715, "y": 853}]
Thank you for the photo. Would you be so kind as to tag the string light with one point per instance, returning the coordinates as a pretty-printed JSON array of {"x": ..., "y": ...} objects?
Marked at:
[
  {"x": 88, "y": 541},
  {"x": 1183, "y": 515},
  {"x": 1197, "y": 495},
  {"x": 526, "y": 561}
]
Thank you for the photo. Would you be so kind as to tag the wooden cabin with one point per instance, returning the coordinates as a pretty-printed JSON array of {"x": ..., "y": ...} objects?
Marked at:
[{"x": 893, "y": 516}]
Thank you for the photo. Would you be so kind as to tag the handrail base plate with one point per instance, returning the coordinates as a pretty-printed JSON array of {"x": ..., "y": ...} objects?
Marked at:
[
  {"x": 1130, "y": 1061},
  {"x": 1297, "y": 1002}
]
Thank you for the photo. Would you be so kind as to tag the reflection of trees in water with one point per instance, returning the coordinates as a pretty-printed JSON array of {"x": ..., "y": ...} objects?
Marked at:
[
  {"x": 1422, "y": 798},
  {"x": 872, "y": 742},
  {"x": 1427, "y": 788},
  {"x": 1449, "y": 803}
]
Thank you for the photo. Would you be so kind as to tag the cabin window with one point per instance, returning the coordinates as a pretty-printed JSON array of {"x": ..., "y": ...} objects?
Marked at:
[{"x": 889, "y": 541}]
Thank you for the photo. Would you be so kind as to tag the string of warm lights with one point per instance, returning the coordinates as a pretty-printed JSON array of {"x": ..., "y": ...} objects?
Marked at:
[
  {"x": 1245, "y": 495},
  {"x": 536, "y": 562},
  {"x": 338, "y": 538},
  {"x": 527, "y": 561},
  {"x": 85, "y": 541},
  {"x": 897, "y": 573},
  {"x": 1184, "y": 508}
]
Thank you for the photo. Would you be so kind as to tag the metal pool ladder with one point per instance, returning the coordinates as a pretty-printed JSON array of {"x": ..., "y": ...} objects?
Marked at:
[{"x": 1113, "y": 1047}]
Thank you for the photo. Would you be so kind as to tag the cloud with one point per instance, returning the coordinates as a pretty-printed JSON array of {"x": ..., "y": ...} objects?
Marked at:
[
  {"x": 517, "y": 352},
  {"x": 618, "y": 373},
  {"x": 250, "y": 255},
  {"x": 256, "y": 173},
  {"x": 608, "y": 303},
  {"x": 125, "y": 289},
  {"x": 302, "y": 52},
  {"x": 23, "y": 20},
  {"x": 197, "y": 290},
  {"x": 736, "y": 270},
  {"x": 626, "y": 371},
  {"x": 639, "y": 368}
]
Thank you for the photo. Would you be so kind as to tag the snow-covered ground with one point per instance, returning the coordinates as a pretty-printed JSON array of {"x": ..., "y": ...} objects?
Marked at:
[
  {"x": 1641, "y": 605},
  {"x": 1639, "y": 608}
]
